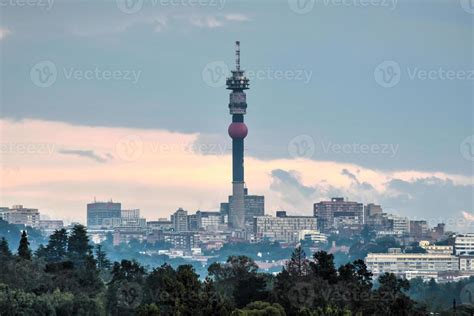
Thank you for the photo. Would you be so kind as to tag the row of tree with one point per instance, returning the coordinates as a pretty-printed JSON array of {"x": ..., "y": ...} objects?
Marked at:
[{"x": 70, "y": 277}]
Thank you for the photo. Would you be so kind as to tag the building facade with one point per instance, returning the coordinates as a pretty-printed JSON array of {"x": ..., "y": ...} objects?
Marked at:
[
  {"x": 338, "y": 211},
  {"x": 20, "y": 215},
  {"x": 402, "y": 263},
  {"x": 283, "y": 229},
  {"x": 464, "y": 244},
  {"x": 180, "y": 220},
  {"x": 104, "y": 215}
]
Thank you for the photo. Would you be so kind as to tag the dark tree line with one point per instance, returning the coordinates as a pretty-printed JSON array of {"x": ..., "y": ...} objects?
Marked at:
[{"x": 68, "y": 276}]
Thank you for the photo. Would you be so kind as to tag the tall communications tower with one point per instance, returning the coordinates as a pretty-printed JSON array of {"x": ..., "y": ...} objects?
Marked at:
[{"x": 237, "y": 131}]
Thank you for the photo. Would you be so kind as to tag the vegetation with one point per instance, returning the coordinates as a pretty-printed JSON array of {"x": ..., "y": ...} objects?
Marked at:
[{"x": 69, "y": 277}]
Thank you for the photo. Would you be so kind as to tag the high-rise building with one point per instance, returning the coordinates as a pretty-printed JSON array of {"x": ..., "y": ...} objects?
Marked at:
[
  {"x": 419, "y": 229},
  {"x": 208, "y": 220},
  {"x": 103, "y": 214},
  {"x": 224, "y": 210},
  {"x": 132, "y": 218},
  {"x": 337, "y": 212},
  {"x": 20, "y": 215},
  {"x": 398, "y": 224},
  {"x": 254, "y": 206},
  {"x": 283, "y": 229},
  {"x": 180, "y": 220},
  {"x": 237, "y": 131},
  {"x": 372, "y": 210}
]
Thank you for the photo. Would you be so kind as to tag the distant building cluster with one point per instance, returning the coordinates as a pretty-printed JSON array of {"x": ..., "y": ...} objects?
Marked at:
[
  {"x": 29, "y": 217},
  {"x": 443, "y": 263}
]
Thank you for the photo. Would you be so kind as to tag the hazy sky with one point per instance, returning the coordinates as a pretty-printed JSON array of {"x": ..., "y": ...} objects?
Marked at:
[{"x": 371, "y": 100}]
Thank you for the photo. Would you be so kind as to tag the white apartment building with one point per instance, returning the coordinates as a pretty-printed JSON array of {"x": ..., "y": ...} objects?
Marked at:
[
  {"x": 402, "y": 264},
  {"x": 464, "y": 244},
  {"x": 20, "y": 215}
]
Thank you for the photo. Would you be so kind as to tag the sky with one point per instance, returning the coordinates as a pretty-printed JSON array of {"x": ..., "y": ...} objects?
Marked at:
[{"x": 126, "y": 100}]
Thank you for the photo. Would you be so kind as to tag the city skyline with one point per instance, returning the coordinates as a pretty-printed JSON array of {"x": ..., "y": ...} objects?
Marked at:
[{"x": 158, "y": 149}]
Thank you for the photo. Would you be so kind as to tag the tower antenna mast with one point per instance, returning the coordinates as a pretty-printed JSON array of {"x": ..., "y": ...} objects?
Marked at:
[{"x": 237, "y": 55}]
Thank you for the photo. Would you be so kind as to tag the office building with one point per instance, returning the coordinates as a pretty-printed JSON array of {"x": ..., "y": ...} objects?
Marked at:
[
  {"x": 254, "y": 206},
  {"x": 180, "y": 220},
  {"x": 282, "y": 229},
  {"x": 211, "y": 221},
  {"x": 419, "y": 229},
  {"x": 338, "y": 212},
  {"x": 20, "y": 215},
  {"x": 372, "y": 210},
  {"x": 103, "y": 215}
]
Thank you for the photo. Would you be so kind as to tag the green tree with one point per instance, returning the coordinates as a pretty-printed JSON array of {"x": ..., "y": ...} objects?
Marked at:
[
  {"x": 238, "y": 280},
  {"x": 78, "y": 245},
  {"x": 258, "y": 308},
  {"x": 103, "y": 263},
  {"x": 24, "y": 250},
  {"x": 125, "y": 289},
  {"x": 323, "y": 266},
  {"x": 57, "y": 247},
  {"x": 4, "y": 249},
  {"x": 298, "y": 265}
]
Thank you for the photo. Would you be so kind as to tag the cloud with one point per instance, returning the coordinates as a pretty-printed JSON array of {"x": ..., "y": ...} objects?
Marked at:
[
  {"x": 214, "y": 21},
  {"x": 237, "y": 17},
  {"x": 288, "y": 185},
  {"x": 467, "y": 216},
  {"x": 90, "y": 154},
  {"x": 4, "y": 32},
  {"x": 158, "y": 171},
  {"x": 356, "y": 182},
  {"x": 205, "y": 21}
]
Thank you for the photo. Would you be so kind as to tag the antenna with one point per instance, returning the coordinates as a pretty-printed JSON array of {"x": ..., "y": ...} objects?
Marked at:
[{"x": 237, "y": 55}]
